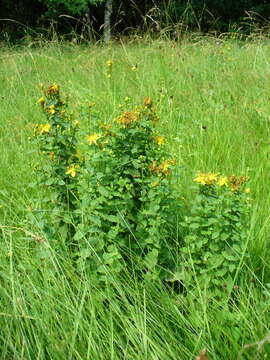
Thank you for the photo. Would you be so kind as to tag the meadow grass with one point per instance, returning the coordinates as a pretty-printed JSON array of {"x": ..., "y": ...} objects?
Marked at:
[{"x": 212, "y": 97}]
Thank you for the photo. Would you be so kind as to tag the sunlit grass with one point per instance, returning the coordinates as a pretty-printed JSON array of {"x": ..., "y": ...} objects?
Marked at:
[{"x": 213, "y": 101}]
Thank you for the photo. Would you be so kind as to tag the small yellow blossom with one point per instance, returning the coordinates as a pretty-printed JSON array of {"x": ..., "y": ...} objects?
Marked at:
[
  {"x": 148, "y": 102},
  {"x": 92, "y": 139},
  {"x": 109, "y": 76},
  {"x": 128, "y": 117},
  {"x": 41, "y": 101},
  {"x": 127, "y": 99},
  {"x": 44, "y": 129},
  {"x": 109, "y": 63},
  {"x": 160, "y": 140},
  {"x": 164, "y": 168},
  {"x": 222, "y": 181},
  {"x": 247, "y": 190},
  {"x": 53, "y": 89},
  {"x": 134, "y": 68},
  {"x": 51, "y": 109},
  {"x": 206, "y": 179},
  {"x": 72, "y": 170}
]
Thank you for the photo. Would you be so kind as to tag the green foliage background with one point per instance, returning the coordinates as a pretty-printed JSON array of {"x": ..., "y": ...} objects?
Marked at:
[{"x": 37, "y": 16}]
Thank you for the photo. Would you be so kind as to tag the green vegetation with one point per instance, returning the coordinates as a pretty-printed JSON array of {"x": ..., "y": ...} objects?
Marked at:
[{"x": 212, "y": 100}]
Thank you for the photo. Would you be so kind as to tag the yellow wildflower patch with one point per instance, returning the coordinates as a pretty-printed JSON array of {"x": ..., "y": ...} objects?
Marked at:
[
  {"x": 92, "y": 139},
  {"x": 223, "y": 181},
  {"x": 206, "y": 179}
]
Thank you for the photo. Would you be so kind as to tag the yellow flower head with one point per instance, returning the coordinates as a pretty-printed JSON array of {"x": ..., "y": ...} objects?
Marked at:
[
  {"x": 92, "y": 139},
  {"x": 51, "y": 109},
  {"x": 41, "y": 101},
  {"x": 206, "y": 179},
  {"x": 109, "y": 63},
  {"x": 160, "y": 140},
  {"x": 223, "y": 181},
  {"x": 44, "y": 129},
  {"x": 164, "y": 168},
  {"x": 128, "y": 117},
  {"x": 53, "y": 89},
  {"x": 72, "y": 170},
  {"x": 148, "y": 102}
]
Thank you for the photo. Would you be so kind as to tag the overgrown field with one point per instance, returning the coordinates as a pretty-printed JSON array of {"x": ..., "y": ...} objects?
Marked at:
[{"x": 212, "y": 97}]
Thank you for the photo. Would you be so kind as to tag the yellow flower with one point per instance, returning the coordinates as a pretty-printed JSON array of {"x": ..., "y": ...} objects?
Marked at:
[
  {"x": 92, "y": 139},
  {"x": 41, "y": 101},
  {"x": 247, "y": 190},
  {"x": 44, "y": 129},
  {"x": 206, "y": 179},
  {"x": 51, "y": 109},
  {"x": 134, "y": 68},
  {"x": 160, "y": 140},
  {"x": 53, "y": 89},
  {"x": 72, "y": 170},
  {"x": 164, "y": 168},
  {"x": 222, "y": 181},
  {"x": 128, "y": 117},
  {"x": 126, "y": 99},
  {"x": 109, "y": 63}
]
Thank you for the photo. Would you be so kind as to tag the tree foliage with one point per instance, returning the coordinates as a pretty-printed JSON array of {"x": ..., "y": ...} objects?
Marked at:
[{"x": 203, "y": 15}]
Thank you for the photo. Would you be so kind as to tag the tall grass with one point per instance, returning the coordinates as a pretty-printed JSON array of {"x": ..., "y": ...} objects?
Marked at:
[{"x": 213, "y": 100}]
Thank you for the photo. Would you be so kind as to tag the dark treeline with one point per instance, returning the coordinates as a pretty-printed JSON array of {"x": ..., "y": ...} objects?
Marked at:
[{"x": 86, "y": 18}]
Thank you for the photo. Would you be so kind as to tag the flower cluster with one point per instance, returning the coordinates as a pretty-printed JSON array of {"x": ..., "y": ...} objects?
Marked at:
[
  {"x": 233, "y": 182},
  {"x": 163, "y": 169}
]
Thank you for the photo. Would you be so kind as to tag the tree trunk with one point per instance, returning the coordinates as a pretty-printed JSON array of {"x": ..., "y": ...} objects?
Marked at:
[
  {"x": 89, "y": 26},
  {"x": 107, "y": 20}
]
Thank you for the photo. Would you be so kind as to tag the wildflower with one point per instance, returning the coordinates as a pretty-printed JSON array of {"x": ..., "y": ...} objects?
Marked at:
[
  {"x": 109, "y": 63},
  {"x": 109, "y": 76},
  {"x": 160, "y": 140},
  {"x": 128, "y": 117},
  {"x": 51, "y": 109},
  {"x": 134, "y": 68},
  {"x": 92, "y": 139},
  {"x": 53, "y": 89},
  {"x": 44, "y": 129},
  {"x": 247, "y": 190},
  {"x": 72, "y": 170},
  {"x": 41, "y": 101},
  {"x": 206, "y": 179},
  {"x": 163, "y": 168},
  {"x": 235, "y": 182},
  {"x": 126, "y": 99},
  {"x": 222, "y": 181},
  {"x": 148, "y": 102}
]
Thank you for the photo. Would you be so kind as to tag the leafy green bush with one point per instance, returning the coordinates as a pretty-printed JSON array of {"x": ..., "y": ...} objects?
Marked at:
[
  {"x": 127, "y": 201},
  {"x": 216, "y": 232}
]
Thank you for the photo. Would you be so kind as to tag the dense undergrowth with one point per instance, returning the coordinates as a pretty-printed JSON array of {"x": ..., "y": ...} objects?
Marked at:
[{"x": 212, "y": 101}]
